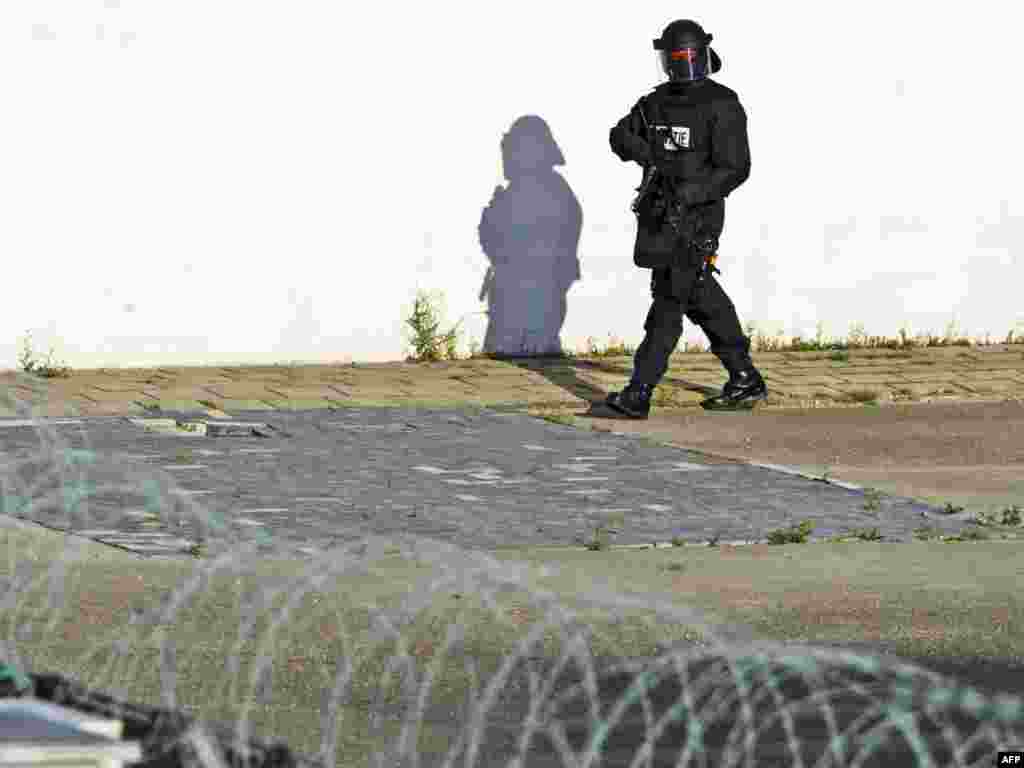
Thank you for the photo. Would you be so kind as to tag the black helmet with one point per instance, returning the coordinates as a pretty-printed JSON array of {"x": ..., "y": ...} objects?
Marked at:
[{"x": 684, "y": 54}]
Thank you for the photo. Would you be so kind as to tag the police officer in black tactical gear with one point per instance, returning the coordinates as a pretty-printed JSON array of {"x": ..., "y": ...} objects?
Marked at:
[{"x": 690, "y": 136}]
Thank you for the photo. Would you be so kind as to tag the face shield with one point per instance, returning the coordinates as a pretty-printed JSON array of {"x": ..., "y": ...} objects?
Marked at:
[{"x": 682, "y": 64}]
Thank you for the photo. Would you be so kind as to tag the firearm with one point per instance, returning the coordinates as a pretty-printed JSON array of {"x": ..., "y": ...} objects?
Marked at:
[
  {"x": 644, "y": 189},
  {"x": 668, "y": 203}
]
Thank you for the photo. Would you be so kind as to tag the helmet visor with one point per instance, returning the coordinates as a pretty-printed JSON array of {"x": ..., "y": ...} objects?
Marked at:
[{"x": 682, "y": 64}]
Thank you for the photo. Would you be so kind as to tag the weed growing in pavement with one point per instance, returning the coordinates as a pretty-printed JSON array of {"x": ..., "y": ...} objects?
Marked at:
[
  {"x": 197, "y": 550},
  {"x": 46, "y": 370},
  {"x": 428, "y": 344},
  {"x": 860, "y": 534},
  {"x": 969, "y": 534},
  {"x": 927, "y": 533},
  {"x": 559, "y": 418},
  {"x": 1008, "y": 517},
  {"x": 868, "y": 534},
  {"x": 873, "y": 500},
  {"x": 796, "y": 534},
  {"x": 932, "y": 533}
]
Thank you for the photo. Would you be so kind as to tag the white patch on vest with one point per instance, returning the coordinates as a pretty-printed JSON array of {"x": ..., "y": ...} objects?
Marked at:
[{"x": 679, "y": 138}]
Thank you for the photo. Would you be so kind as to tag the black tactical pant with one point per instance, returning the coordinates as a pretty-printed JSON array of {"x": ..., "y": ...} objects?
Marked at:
[{"x": 699, "y": 296}]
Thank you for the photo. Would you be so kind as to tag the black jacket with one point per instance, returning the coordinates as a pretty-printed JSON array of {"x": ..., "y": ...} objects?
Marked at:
[{"x": 708, "y": 119}]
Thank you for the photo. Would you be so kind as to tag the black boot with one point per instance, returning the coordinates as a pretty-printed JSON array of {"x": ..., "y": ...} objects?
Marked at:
[
  {"x": 743, "y": 390},
  {"x": 634, "y": 401}
]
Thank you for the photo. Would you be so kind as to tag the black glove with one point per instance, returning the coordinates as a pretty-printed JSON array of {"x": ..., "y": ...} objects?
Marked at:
[
  {"x": 645, "y": 190},
  {"x": 628, "y": 145}
]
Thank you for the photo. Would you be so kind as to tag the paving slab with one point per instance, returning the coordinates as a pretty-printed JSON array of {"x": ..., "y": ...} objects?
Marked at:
[{"x": 484, "y": 480}]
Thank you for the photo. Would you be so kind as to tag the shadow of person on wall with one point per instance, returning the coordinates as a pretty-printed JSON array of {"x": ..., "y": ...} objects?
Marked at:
[{"x": 530, "y": 233}]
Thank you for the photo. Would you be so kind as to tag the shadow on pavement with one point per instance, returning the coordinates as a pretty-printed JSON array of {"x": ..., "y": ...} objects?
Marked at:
[{"x": 563, "y": 372}]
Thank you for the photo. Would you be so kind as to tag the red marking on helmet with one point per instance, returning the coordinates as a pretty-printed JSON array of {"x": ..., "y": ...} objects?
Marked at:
[{"x": 684, "y": 53}]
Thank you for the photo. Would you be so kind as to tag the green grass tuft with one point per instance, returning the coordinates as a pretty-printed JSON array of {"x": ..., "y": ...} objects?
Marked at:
[
  {"x": 796, "y": 534},
  {"x": 47, "y": 370}
]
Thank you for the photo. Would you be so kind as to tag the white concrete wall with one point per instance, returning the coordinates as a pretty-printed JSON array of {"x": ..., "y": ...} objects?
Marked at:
[{"x": 217, "y": 181}]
